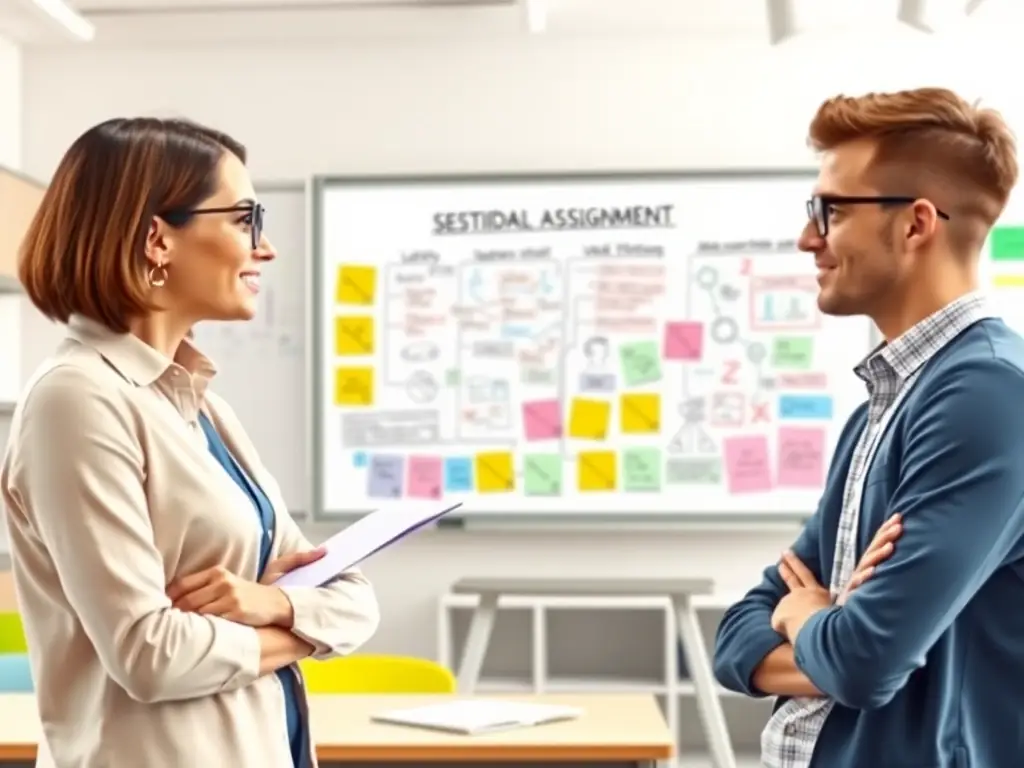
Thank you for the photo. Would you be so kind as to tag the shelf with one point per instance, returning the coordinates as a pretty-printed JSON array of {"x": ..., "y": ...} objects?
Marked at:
[
  {"x": 9, "y": 284},
  {"x": 513, "y": 602}
]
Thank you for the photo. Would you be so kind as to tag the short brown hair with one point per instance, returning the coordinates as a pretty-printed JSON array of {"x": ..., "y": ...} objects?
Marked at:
[
  {"x": 84, "y": 250},
  {"x": 929, "y": 137}
]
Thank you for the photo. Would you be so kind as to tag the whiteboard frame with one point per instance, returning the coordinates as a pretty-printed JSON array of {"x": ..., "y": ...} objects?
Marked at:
[{"x": 320, "y": 184}]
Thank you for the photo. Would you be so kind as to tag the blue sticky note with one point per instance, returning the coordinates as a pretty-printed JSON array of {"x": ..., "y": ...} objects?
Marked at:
[
  {"x": 359, "y": 459},
  {"x": 458, "y": 474},
  {"x": 805, "y": 407}
]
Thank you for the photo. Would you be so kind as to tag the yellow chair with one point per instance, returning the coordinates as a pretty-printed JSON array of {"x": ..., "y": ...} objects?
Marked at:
[
  {"x": 12, "y": 634},
  {"x": 369, "y": 673}
]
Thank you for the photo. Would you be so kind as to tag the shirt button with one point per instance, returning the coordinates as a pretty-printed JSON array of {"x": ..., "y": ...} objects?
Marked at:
[{"x": 790, "y": 729}]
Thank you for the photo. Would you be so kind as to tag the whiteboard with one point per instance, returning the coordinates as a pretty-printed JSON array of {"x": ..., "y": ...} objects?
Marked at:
[
  {"x": 1002, "y": 263},
  {"x": 261, "y": 363},
  {"x": 594, "y": 345}
]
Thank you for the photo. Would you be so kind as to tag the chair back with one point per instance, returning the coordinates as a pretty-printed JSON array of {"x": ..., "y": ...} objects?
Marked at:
[
  {"x": 12, "y": 634},
  {"x": 371, "y": 673}
]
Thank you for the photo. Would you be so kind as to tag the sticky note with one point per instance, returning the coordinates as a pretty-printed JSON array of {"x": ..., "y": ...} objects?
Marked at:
[
  {"x": 747, "y": 465},
  {"x": 1008, "y": 281},
  {"x": 588, "y": 418},
  {"x": 684, "y": 340},
  {"x": 360, "y": 459},
  {"x": 640, "y": 413},
  {"x": 1007, "y": 244},
  {"x": 597, "y": 470},
  {"x": 542, "y": 419},
  {"x": 357, "y": 284},
  {"x": 495, "y": 472},
  {"x": 353, "y": 385},
  {"x": 793, "y": 407},
  {"x": 640, "y": 362},
  {"x": 353, "y": 335},
  {"x": 542, "y": 474},
  {"x": 458, "y": 474},
  {"x": 641, "y": 469},
  {"x": 423, "y": 477},
  {"x": 793, "y": 352},
  {"x": 384, "y": 477},
  {"x": 801, "y": 452},
  {"x": 698, "y": 470}
]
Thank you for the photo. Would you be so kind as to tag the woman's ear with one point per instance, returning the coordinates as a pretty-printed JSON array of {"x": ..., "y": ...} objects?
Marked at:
[{"x": 158, "y": 242}]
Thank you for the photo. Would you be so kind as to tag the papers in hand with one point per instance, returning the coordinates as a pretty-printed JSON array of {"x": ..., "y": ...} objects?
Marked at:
[
  {"x": 474, "y": 717},
  {"x": 365, "y": 537}
]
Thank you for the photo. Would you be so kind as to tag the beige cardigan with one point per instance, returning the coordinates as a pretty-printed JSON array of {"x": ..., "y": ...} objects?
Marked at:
[{"x": 111, "y": 493}]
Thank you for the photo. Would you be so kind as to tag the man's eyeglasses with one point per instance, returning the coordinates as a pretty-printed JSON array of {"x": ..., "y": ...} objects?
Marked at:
[
  {"x": 255, "y": 210},
  {"x": 819, "y": 205}
]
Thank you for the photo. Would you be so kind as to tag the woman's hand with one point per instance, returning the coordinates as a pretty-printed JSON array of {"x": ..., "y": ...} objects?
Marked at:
[{"x": 217, "y": 592}]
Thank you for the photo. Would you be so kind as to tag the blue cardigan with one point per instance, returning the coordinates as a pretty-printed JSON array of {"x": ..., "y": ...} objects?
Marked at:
[{"x": 926, "y": 660}]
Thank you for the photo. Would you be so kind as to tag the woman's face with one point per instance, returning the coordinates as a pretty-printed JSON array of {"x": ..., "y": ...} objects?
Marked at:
[{"x": 213, "y": 271}]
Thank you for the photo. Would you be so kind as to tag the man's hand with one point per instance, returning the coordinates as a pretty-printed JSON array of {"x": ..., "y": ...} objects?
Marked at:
[
  {"x": 217, "y": 592},
  {"x": 796, "y": 608},
  {"x": 879, "y": 550},
  {"x": 796, "y": 575}
]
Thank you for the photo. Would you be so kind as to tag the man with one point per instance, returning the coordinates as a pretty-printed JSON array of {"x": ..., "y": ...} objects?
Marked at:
[{"x": 900, "y": 644}]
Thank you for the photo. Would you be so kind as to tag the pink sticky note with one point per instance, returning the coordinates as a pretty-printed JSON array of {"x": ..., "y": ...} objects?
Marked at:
[
  {"x": 424, "y": 477},
  {"x": 684, "y": 340},
  {"x": 802, "y": 457},
  {"x": 542, "y": 420},
  {"x": 747, "y": 466}
]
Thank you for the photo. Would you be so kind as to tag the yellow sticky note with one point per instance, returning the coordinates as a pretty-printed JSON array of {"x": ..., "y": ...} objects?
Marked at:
[
  {"x": 357, "y": 284},
  {"x": 353, "y": 385},
  {"x": 597, "y": 470},
  {"x": 353, "y": 335},
  {"x": 588, "y": 419},
  {"x": 494, "y": 472},
  {"x": 640, "y": 413},
  {"x": 1008, "y": 281}
]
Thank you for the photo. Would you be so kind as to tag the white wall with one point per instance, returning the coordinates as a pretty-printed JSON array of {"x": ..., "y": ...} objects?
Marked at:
[
  {"x": 506, "y": 104},
  {"x": 10, "y": 104},
  {"x": 10, "y": 157}
]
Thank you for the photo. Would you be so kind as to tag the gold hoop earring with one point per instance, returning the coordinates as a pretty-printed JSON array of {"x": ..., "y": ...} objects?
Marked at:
[{"x": 157, "y": 276}]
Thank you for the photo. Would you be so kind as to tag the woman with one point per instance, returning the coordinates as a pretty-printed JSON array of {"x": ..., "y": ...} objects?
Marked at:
[{"x": 145, "y": 533}]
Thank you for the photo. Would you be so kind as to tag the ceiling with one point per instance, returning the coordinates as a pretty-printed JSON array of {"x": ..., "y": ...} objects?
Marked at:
[{"x": 174, "y": 22}]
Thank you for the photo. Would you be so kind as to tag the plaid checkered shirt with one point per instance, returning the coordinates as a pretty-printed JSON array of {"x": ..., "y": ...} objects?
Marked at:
[{"x": 889, "y": 372}]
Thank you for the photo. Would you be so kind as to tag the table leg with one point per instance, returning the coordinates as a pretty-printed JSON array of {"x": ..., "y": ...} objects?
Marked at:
[
  {"x": 708, "y": 703},
  {"x": 477, "y": 639}
]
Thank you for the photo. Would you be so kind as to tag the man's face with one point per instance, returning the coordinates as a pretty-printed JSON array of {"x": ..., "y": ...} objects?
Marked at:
[{"x": 860, "y": 265}]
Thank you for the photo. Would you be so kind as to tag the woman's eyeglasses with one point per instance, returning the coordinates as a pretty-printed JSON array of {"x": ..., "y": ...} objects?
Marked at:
[{"x": 255, "y": 210}]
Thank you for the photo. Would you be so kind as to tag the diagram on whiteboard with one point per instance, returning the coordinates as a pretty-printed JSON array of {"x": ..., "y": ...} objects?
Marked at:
[{"x": 562, "y": 370}]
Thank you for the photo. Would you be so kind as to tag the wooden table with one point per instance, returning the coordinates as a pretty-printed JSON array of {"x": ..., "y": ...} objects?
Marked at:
[
  {"x": 489, "y": 591},
  {"x": 619, "y": 729}
]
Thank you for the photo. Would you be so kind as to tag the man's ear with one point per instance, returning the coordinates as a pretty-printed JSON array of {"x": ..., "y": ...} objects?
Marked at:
[
  {"x": 924, "y": 220},
  {"x": 159, "y": 239}
]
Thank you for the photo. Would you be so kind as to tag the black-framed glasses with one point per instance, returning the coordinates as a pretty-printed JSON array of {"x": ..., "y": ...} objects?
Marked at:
[
  {"x": 818, "y": 206},
  {"x": 255, "y": 210}
]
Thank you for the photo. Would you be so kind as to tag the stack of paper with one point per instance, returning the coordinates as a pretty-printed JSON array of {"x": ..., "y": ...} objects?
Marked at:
[{"x": 478, "y": 716}]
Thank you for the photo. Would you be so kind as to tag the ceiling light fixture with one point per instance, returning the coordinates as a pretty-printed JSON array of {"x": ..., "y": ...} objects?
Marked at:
[{"x": 70, "y": 20}]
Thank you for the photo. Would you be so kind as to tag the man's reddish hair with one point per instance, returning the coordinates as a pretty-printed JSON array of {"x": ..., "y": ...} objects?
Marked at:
[{"x": 930, "y": 138}]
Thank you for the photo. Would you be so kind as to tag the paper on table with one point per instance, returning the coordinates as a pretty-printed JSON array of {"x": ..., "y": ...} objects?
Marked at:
[
  {"x": 365, "y": 537},
  {"x": 479, "y": 716}
]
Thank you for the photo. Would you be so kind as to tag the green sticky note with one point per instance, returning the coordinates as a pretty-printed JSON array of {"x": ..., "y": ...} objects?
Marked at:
[
  {"x": 793, "y": 352},
  {"x": 1007, "y": 244},
  {"x": 452, "y": 377},
  {"x": 694, "y": 471},
  {"x": 641, "y": 362},
  {"x": 641, "y": 469},
  {"x": 542, "y": 474}
]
